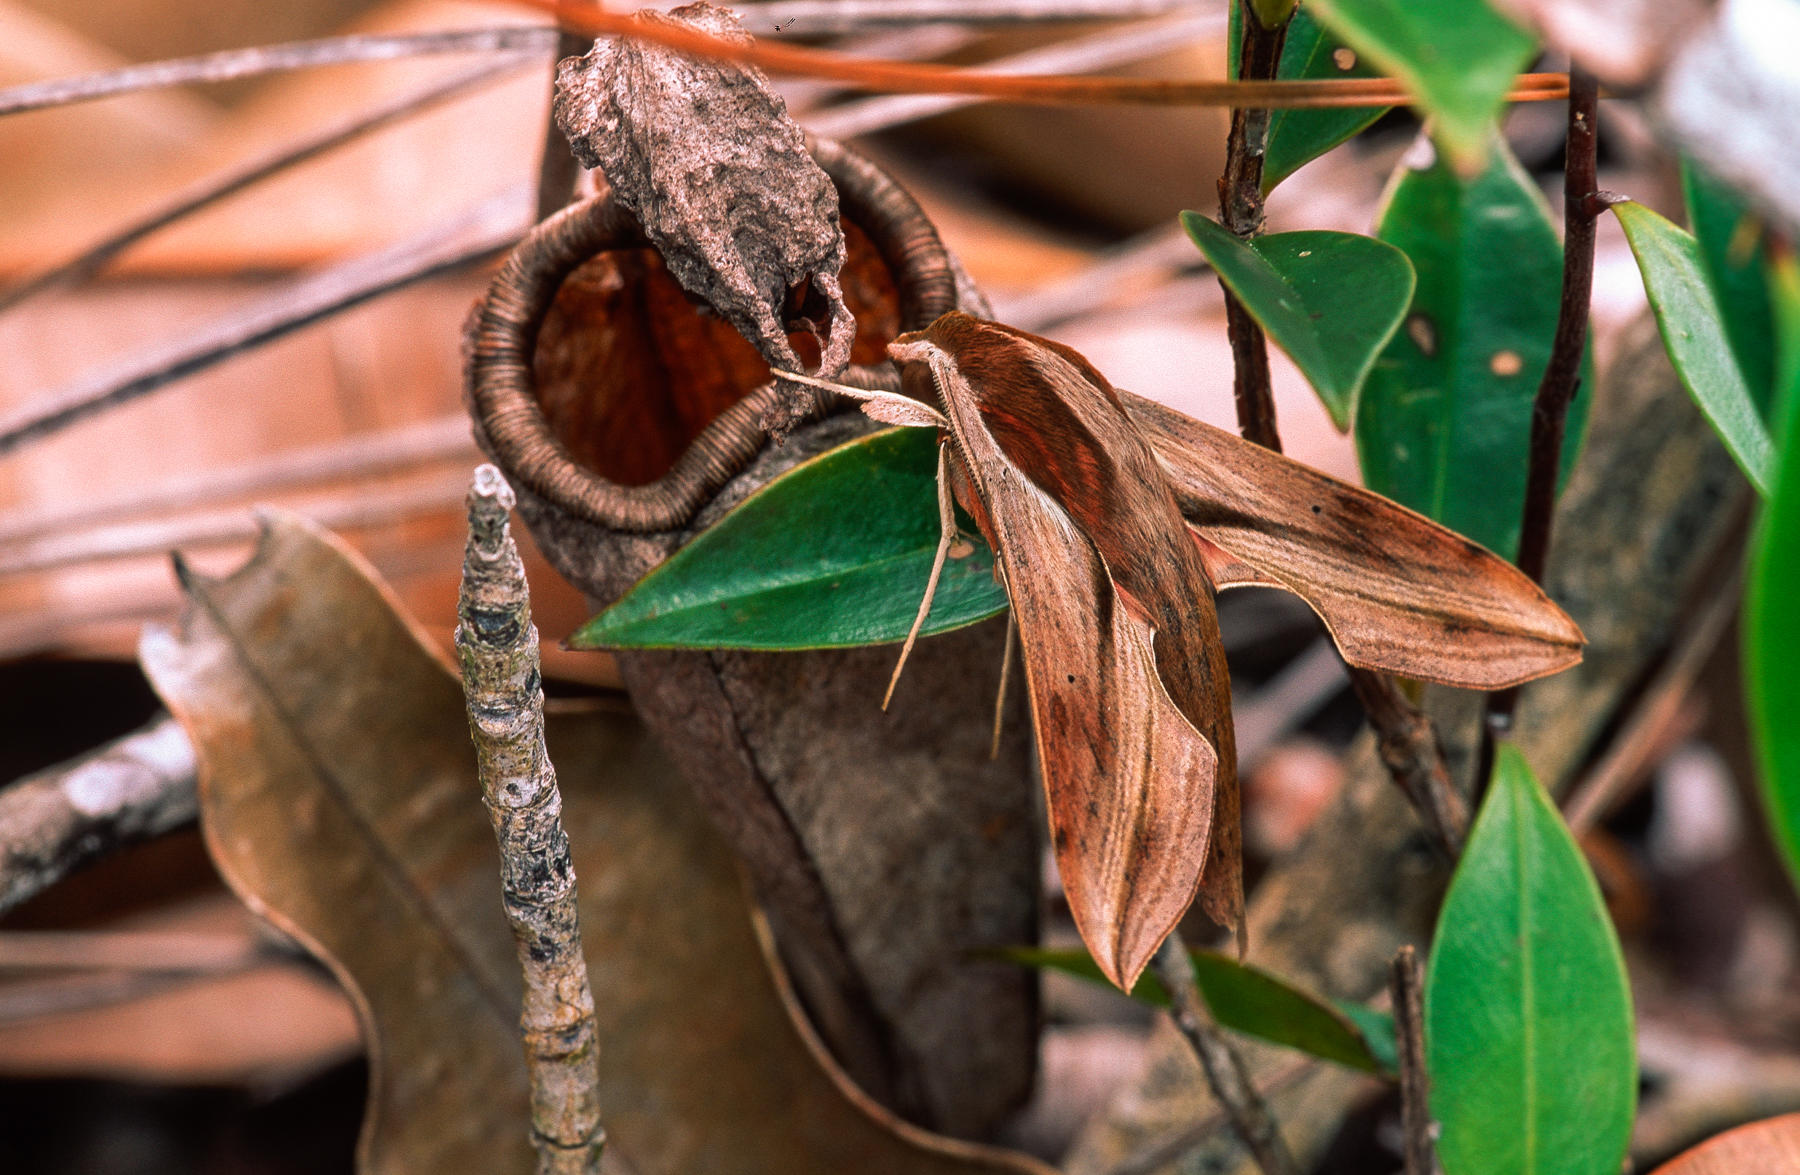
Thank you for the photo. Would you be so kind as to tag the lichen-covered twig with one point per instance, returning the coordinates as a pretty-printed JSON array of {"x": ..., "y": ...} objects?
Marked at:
[
  {"x": 1409, "y": 1034},
  {"x": 58, "y": 820},
  {"x": 1226, "y": 1072},
  {"x": 498, "y": 647}
]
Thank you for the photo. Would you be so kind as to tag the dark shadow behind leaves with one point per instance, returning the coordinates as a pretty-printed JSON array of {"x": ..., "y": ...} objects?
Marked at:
[{"x": 340, "y": 801}]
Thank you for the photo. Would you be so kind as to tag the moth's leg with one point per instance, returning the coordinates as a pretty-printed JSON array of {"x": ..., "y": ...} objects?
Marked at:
[
  {"x": 1006, "y": 660},
  {"x": 946, "y": 536}
]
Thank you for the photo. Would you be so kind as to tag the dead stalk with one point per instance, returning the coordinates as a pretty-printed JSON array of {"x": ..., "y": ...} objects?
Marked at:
[
  {"x": 498, "y": 648},
  {"x": 1225, "y": 1070},
  {"x": 1409, "y": 1034}
]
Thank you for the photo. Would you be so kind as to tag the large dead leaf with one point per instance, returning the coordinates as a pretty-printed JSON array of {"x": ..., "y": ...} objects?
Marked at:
[{"x": 339, "y": 799}]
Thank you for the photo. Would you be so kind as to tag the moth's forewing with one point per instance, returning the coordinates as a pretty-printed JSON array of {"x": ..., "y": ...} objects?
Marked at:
[
  {"x": 1398, "y": 592},
  {"x": 1125, "y": 669}
]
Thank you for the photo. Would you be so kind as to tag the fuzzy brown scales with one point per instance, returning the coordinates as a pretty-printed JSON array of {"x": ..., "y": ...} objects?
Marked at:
[
  {"x": 498, "y": 647},
  {"x": 1647, "y": 519},
  {"x": 1113, "y": 520},
  {"x": 704, "y": 154}
]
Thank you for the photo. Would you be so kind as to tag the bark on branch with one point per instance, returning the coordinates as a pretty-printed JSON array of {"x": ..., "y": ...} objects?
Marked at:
[
  {"x": 498, "y": 647},
  {"x": 58, "y": 820}
]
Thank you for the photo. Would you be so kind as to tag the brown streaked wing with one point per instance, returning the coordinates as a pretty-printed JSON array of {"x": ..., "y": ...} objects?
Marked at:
[
  {"x": 1398, "y": 592},
  {"x": 1129, "y": 780}
]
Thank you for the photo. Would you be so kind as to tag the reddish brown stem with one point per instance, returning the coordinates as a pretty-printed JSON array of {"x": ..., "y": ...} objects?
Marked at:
[
  {"x": 1409, "y": 1039},
  {"x": 1582, "y": 206},
  {"x": 558, "y": 170},
  {"x": 1408, "y": 744},
  {"x": 1405, "y": 736},
  {"x": 1241, "y": 211}
]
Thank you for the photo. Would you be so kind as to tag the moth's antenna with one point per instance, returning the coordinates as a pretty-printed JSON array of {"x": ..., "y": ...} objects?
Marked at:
[
  {"x": 946, "y": 536},
  {"x": 887, "y": 407},
  {"x": 1006, "y": 659}
]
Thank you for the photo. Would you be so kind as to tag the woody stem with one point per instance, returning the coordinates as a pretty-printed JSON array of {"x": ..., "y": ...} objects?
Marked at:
[
  {"x": 1225, "y": 1070},
  {"x": 1241, "y": 211},
  {"x": 1582, "y": 204},
  {"x": 1406, "y": 738}
]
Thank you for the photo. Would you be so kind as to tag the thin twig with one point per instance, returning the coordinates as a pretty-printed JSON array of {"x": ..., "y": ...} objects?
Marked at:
[
  {"x": 234, "y": 180},
  {"x": 558, "y": 170},
  {"x": 352, "y": 510},
  {"x": 1640, "y": 742},
  {"x": 58, "y": 820},
  {"x": 919, "y": 78},
  {"x": 489, "y": 228},
  {"x": 1165, "y": 1152},
  {"x": 498, "y": 647},
  {"x": 827, "y": 18},
  {"x": 232, "y": 64},
  {"x": 365, "y": 455},
  {"x": 1241, "y": 213},
  {"x": 187, "y": 952},
  {"x": 1407, "y": 742},
  {"x": 1409, "y": 1037},
  {"x": 1582, "y": 205},
  {"x": 1101, "y": 50},
  {"x": 1405, "y": 736},
  {"x": 1225, "y": 1070}
]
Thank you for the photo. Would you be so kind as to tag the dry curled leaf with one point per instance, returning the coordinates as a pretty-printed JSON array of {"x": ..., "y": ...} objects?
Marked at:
[
  {"x": 705, "y": 155},
  {"x": 339, "y": 799}
]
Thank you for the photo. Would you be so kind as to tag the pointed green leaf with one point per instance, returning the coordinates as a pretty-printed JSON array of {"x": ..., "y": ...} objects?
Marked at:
[
  {"x": 1527, "y": 1012},
  {"x": 1377, "y": 1029},
  {"x": 1693, "y": 332},
  {"x": 1254, "y": 1002},
  {"x": 1444, "y": 424},
  {"x": 1297, "y": 137},
  {"x": 833, "y": 553},
  {"x": 1457, "y": 58},
  {"x": 1772, "y": 622},
  {"x": 1734, "y": 255},
  {"x": 1330, "y": 300}
]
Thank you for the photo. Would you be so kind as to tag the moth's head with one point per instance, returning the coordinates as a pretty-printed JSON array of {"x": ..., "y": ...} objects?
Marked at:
[{"x": 918, "y": 352}]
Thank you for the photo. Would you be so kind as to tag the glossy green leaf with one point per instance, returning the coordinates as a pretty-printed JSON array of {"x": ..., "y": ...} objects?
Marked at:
[
  {"x": 833, "y": 553},
  {"x": 1771, "y": 620},
  {"x": 1254, "y": 1002},
  {"x": 1444, "y": 423},
  {"x": 1297, "y": 137},
  {"x": 1330, "y": 300},
  {"x": 1734, "y": 256},
  {"x": 1693, "y": 332},
  {"x": 1528, "y": 1023},
  {"x": 1457, "y": 58}
]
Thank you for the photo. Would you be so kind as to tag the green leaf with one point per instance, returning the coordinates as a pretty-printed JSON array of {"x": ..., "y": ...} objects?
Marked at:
[
  {"x": 1254, "y": 1002},
  {"x": 1330, "y": 300},
  {"x": 1528, "y": 1024},
  {"x": 1457, "y": 58},
  {"x": 1444, "y": 424},
  {"x": 1297, "y": 137},
  {"x": 833, "y": 553},
  {"x": 1377, "y": 1029},
  {"x": 1734, "y": 256},
  {"x": 1693, "y": 333},
  {"x": 1772, "y": 622}
]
